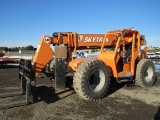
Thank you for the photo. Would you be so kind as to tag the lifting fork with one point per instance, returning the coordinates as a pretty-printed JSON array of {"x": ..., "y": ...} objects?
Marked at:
[{"x": 27, "y": 86}]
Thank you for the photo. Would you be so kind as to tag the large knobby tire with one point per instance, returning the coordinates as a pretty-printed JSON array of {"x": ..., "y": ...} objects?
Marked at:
[
  {"x": 145, "y": 73},
  {"x": 91, "y": 79}
]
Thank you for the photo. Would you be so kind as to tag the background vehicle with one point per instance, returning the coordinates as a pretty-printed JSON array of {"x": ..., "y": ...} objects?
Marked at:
[
  {"x": 151, "y": 55},
  {"x": 2, "y": 53},
  {"x": 118, "y": 59},
  {"x": 157, "y": 55},
  {"x": 7, "y": 59}
]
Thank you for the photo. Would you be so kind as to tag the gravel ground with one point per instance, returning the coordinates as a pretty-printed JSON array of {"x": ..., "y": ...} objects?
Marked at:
[{"x": 122, "y": 102}]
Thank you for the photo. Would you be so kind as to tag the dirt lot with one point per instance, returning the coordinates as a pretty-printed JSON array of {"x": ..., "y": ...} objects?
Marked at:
[{"x": 122, "y": 102}]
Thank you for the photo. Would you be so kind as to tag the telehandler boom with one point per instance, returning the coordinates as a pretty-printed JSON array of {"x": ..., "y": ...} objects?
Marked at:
[{"x": 122, "y": 54}]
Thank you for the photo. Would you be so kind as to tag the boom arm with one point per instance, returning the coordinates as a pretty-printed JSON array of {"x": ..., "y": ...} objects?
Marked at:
[
  {"x": 43, "y": 54},
  {"x": 74, "y": 42}
]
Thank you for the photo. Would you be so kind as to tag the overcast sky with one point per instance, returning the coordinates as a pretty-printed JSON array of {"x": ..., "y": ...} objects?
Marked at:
[{"x": 23, "y": 22}]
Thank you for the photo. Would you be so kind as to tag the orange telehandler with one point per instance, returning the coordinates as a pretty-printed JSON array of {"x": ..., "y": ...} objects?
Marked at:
[{"x": 121, "y": 56}]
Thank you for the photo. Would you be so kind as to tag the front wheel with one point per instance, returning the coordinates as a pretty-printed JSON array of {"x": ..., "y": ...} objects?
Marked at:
[
  {"x": 91, "y": 79},
  {"x": 145, "y": 73}
]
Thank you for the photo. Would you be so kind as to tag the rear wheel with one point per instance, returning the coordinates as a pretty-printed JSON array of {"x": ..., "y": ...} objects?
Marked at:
[
  {"x": 145, "y": 73},
  {"x": 91, "y": 79}
]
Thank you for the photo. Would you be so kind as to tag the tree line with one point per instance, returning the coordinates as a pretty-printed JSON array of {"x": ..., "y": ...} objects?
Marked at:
[{"x": 29, "y": 47}]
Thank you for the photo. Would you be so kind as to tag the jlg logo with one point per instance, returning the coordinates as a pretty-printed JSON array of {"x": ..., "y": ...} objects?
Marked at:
[{"x": 95, "y": 39}]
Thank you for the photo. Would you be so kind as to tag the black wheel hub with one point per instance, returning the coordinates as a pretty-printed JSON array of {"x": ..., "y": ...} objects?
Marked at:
[
  {"x": 146, "y": 73},
  {"x": 94, "y": 80}
]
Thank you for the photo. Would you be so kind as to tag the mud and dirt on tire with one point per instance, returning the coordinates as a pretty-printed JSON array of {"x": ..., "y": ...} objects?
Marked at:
[
  {"x": 91, "y": 80},
  {"x": 145, "y": 73}
]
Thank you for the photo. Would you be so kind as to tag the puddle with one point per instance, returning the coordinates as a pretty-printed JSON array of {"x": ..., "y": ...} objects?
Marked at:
[{"x": 157, "y": 67}]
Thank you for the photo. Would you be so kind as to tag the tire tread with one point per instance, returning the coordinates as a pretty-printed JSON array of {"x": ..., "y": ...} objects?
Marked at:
[{"x": 79, "y": 81}]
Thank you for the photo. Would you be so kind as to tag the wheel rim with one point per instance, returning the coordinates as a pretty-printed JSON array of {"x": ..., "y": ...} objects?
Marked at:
[
  {"x": 96, "y": 80},
  {"x": 148, "y": 74}
]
